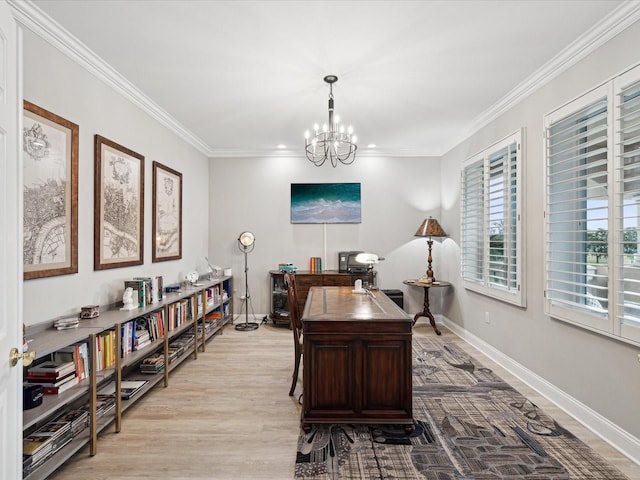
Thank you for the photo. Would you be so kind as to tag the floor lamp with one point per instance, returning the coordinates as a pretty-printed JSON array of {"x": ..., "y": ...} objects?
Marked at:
[{"x": 246, "y": 244}]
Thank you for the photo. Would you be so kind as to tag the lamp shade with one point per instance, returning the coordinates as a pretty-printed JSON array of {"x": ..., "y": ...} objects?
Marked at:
[
  {"x": 246, "y": 239},
  {"x": 430, "y": 228},
  {"x": 369, "y": 258}
]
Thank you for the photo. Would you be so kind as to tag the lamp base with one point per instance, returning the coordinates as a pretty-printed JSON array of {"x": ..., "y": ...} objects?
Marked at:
[{"x": 247, "y": 326}]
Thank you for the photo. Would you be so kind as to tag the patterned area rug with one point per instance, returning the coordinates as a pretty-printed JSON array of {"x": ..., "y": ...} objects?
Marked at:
[{"x": 470, "y": 424}]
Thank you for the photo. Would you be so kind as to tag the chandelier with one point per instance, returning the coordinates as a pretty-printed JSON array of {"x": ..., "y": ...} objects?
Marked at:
[{"x": 335, "y": 142}]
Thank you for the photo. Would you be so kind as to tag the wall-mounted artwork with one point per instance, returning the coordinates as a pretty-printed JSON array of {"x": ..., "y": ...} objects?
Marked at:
[
  {"x": 325, "y": 203},
  {"x": 50, "y": 193},
  {"x": 167, "y": 213},
  {"x": 118, "y": 206}
]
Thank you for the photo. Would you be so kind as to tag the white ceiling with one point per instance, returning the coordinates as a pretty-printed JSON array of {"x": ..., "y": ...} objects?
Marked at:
[{"x": 245, "y": 76}]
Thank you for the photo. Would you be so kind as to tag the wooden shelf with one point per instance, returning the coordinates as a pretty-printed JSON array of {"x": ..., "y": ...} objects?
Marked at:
[{"x": 46, "y": 340}]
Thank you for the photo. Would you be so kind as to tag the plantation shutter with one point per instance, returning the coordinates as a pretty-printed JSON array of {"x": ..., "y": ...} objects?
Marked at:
[
  {"x": 473, "y": 222},
  {"x": 577, "y": 211},
  {"x": 628, "y": 204},
  {"x": 501, "y": 205}
]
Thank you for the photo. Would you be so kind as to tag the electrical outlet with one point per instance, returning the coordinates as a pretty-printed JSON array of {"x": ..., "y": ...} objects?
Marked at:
[{"x": 487, "y": 318}]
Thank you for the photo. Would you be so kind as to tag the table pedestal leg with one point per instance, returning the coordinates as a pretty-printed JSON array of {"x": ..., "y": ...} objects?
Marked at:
[{"x": 426, "y": 312}]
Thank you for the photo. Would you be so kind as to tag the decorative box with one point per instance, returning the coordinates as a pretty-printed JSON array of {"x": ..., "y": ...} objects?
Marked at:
[
  {"x": 90, "y": 311},
  {"x": 31, "y": 396}
]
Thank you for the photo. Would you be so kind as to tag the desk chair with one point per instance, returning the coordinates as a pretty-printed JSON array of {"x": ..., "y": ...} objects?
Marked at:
[{"x": 296, "y": 326}]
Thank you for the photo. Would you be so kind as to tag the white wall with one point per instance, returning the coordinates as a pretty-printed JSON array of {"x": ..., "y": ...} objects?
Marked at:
[
  {"x": 254, "y": 194},
  {"x": 56, "y": 83},
  {"x": 602, "y": 373}
]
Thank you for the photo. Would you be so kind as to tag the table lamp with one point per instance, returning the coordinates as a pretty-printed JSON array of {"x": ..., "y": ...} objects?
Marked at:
[
  {"x": 370, "y": 259},
  {"x": 430, "y": 228}
]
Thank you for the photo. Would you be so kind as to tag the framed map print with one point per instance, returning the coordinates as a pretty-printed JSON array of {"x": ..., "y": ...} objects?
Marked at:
[
  {"x": 118, "y": 206},
  {"x": 50, "y": 193},
  {"x": 167, "y": 213}
]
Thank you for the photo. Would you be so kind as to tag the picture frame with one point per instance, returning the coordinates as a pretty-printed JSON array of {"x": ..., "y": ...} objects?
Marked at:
[
  {"x": 118, "y": 206},
  {"x": 50, "y": 193},
  {"x": 326, "y": 203},
  {"x": 167, "y": 214}
]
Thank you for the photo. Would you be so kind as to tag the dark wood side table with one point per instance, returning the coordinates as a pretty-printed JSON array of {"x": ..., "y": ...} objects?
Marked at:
[{"x": 426, "y": 312}]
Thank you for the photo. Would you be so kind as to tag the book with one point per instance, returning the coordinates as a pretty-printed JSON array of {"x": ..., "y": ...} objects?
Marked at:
[
  {"x": 129, "y": 388},
  {"x": 148, "y": 289},
  {"x": 56, "y": 390},
  {"x": 79, "y": 355},
  {"x": 52, "y": 366},
  {"x": 50, "y": 382}
]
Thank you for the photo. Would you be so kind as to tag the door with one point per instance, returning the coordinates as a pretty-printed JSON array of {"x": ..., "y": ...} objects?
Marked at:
[{"x": 10, "y": 250}]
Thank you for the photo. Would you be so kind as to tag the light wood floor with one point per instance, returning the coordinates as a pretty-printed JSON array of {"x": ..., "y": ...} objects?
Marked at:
[{"x": 227, "y": 415}]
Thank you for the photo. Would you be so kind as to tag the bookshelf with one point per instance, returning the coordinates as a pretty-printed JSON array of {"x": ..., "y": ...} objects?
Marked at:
[{"x": 189, "y": 318}]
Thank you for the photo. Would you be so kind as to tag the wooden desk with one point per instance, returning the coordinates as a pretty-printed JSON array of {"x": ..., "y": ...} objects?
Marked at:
[{"x": 357, "y": 359}]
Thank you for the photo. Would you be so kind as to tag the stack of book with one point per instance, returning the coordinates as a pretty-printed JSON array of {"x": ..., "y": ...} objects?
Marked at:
[
  {"x": 142, "y": 335},
  {"x": 155, "y": 324},
  {"x": 127, "y": 338},
  {"x": 79, "y": 355},
  {"x": 128, "y": 388},
  {"x": 54, "y": 376},
  {"x": 152, "y": 364},
  {"x": 105, "y": 402},
  {"x": 106, "y": 350},
  {"x": 146, "y": 290},
  {"x": 78, "y": 419},
  {"x": 43, "y": 443},
  {"x": 315, "y": 264},
  {"x": 66, "y": 323}
]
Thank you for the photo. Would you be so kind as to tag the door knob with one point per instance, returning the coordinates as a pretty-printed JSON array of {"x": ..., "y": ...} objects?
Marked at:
[{"x": 27, "y": 357}]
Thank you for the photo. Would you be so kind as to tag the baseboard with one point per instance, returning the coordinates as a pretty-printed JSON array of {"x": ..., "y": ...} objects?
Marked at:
[{"x": 611, "y": 433}]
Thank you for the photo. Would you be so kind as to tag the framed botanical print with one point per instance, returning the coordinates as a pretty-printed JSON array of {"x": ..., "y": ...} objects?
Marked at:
[
  {"x": 167, "y": 213},
  {"x": 118, "y": 206},
  {"x": 50, "y": 194}
]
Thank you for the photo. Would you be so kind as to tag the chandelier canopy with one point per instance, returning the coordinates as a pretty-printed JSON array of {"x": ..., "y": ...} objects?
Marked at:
[{"x": 334, "y": 142}]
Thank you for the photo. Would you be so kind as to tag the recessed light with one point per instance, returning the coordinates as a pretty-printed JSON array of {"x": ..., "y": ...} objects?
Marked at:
[
  {"x": 281, "y": 146},
  {"x": 372, "y": 145}
]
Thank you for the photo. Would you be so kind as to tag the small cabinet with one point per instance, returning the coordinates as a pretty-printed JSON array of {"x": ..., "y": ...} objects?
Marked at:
[{"x": 279, "y": 312}]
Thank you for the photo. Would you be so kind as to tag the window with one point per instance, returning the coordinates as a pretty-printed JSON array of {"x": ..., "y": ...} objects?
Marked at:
[
  {"x": 592, "y": 154},
  {"x": 491, "y": 221}
]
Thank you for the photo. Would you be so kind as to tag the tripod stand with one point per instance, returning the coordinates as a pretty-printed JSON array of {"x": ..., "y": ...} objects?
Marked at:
[{"x": 246, "y": 243}]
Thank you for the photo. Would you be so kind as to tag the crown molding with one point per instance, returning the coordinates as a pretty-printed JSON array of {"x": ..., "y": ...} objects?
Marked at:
[
  {"x": 617, "y": 21},
  {"x": 289, "y": 153},
  {"x": 30, "y": 16},
  {"x": 33, "y": 18}
]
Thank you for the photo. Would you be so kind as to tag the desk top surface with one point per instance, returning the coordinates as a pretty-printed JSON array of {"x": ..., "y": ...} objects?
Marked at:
[{"x": 341, "y": 304}]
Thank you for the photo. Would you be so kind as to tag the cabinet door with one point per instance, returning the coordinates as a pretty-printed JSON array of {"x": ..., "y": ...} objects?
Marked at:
[
  {"x": 388, "y": 359},
  {"x": 331, "y": 362}
]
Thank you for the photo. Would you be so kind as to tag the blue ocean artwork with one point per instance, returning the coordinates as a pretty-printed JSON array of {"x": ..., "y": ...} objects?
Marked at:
[{"x": 325, "y": 203}]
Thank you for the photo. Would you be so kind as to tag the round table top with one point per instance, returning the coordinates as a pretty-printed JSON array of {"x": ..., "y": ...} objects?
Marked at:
[{"x": 415, "y": 282}]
